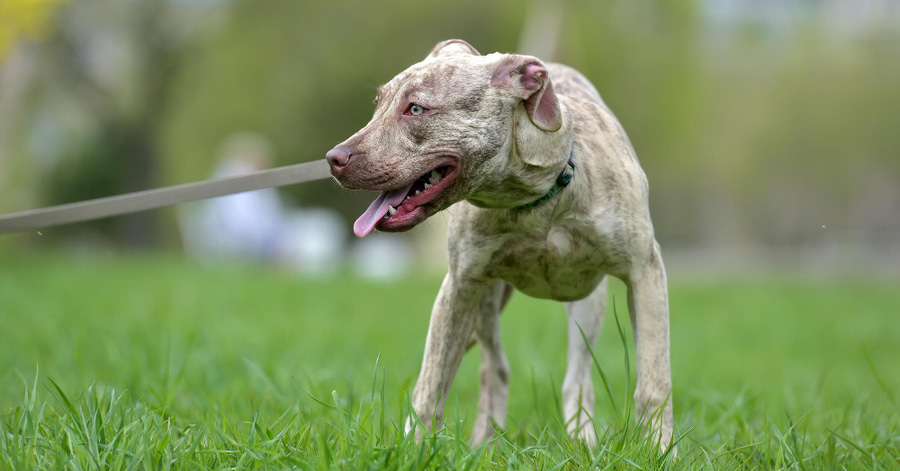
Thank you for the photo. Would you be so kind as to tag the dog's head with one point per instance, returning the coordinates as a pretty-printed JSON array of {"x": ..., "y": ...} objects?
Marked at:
[{"x": 442, "y": 131}]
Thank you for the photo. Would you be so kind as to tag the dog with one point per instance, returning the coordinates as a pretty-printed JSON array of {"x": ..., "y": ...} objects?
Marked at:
[{"x": 548, "y": 199}]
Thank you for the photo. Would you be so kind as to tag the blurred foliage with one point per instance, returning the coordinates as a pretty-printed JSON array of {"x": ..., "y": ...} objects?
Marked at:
[
  {"x": 24, "y": 19},
  {"x": 750, "y": 133}
]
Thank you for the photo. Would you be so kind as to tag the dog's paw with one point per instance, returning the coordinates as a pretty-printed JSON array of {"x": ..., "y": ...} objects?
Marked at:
[
  {"x": 583, "y": 433},
  {"x": 411, "y": 427},
  {"x": 661, "y": 437},
  {"x": 483, "y": 430}
]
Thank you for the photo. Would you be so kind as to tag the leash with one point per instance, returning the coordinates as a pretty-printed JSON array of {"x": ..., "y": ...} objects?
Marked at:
[
  {"x": 167, "y": 196},
  {"x": 157, "y": 198},
  {"x": 562, "y": 181}
]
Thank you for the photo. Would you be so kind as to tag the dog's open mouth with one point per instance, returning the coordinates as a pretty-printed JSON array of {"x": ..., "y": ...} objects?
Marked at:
[{"x": 404, "y": 207}]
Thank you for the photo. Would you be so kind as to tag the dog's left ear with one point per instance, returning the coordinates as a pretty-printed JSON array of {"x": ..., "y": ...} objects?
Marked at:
[
  {"x": 451, "y": 47},
  {"x": 527, "y": 78}
]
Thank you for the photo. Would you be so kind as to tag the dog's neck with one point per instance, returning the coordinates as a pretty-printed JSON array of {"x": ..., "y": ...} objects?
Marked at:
[
  {"x": 562, "y": 181},
  {"x": 531, "y": 162}
]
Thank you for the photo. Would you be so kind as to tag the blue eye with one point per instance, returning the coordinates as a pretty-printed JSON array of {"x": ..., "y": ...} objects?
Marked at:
[{"x": 416, "y": 110}]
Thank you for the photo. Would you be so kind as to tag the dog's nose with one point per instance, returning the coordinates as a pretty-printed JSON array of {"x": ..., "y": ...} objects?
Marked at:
[{"x": 337, "y": 158}]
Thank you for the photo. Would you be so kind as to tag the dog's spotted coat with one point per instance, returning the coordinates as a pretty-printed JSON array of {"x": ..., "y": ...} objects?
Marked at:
[{"x": 504, "y": 125}]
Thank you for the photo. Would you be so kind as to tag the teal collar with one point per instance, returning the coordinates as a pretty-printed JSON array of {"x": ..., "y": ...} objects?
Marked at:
[{"x": 561, "y": 182}]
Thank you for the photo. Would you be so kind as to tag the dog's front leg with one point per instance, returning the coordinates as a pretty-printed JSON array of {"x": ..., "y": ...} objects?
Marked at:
[
  {"x": 649, "y": 309},
  {"x": 494, "y": 373},
  {"x": 452, "y": 322}
]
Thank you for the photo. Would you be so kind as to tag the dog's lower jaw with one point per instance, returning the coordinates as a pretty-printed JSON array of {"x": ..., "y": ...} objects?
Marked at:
[
  {"x": 420, "y": 204},
  {"x": 405, "y": 223}
]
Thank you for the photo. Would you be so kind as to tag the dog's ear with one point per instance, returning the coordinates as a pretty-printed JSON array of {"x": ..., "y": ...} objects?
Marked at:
[
  {"x": 527, "y": 78},
  {"x": 451, "y": 47}
]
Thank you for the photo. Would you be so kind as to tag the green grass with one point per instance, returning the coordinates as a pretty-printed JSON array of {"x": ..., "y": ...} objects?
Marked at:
[{"x": 151, "y": 363}]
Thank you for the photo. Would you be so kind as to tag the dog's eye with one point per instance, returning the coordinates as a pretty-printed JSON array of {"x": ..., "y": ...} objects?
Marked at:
[{"x": 416, "y": 110}]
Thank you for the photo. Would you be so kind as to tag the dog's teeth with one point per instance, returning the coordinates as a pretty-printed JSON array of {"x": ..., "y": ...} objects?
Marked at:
[
  {"x": 417, "y": 192},
  {"x": 427, "y": 186},
  {"x": 392, "y": 210}
]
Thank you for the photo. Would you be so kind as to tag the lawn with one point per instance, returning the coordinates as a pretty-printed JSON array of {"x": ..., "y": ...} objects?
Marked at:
[{"x": 154, "y": 363}]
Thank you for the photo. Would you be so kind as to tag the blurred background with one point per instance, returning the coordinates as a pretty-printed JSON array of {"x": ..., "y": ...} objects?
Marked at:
[{"x": 768, "y": 129}]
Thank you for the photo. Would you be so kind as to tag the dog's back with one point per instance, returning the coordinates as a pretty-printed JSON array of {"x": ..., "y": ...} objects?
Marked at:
[{"x": 570, "y": 82}]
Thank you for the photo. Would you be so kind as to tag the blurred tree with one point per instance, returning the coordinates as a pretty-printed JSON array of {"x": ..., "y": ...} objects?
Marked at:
[
  {"x": 97, "y": 101},
  {"x": 21, "y": 21},
  {"x": 24, "y": 19},
  {"x": 118, "y": 61}
]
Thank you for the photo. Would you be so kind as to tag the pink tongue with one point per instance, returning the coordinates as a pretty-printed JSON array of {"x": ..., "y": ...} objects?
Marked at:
[{"x": 369, "y": 219}]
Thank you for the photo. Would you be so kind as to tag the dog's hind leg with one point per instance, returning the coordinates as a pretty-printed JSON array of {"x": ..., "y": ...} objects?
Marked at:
[
  {"x": 578, "y": 391},
  {"x": 494, "y": 367}
]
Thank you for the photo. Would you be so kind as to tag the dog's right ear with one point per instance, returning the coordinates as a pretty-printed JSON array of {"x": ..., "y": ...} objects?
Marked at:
[
  {"x": 451, "y": 47},
  {"x": 527, "y": 78}
]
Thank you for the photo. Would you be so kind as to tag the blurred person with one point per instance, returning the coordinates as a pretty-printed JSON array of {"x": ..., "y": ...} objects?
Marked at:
[
  {"x": 257, "y": 226},
  {"x": 245, "y": 226},
  {"x": 384, "y": 257},
  {"x": 314, "y": 241}
]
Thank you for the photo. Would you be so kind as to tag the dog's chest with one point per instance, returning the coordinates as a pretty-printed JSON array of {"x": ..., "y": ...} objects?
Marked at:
[{"x": 564, "y": 263}]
